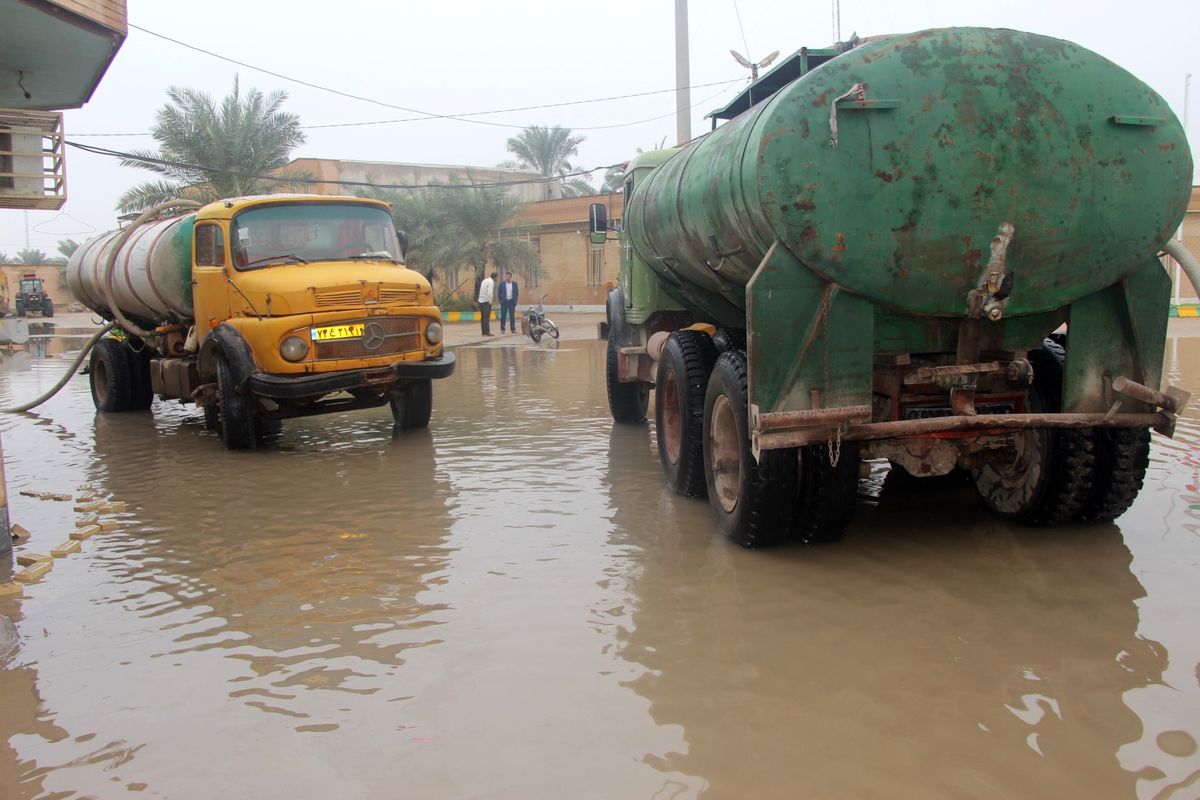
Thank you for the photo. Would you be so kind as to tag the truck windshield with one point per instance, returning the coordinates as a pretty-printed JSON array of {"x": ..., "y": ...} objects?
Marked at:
[{"x": 300, "y": 233}]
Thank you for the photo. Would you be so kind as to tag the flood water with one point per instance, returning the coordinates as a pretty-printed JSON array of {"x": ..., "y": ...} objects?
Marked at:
[{"x": 511, "y": 605}]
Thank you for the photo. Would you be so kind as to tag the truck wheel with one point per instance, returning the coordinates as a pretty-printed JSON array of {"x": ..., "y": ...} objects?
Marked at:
[
  {"x": 111, "y": 376},
  {"x": 826, "y": 493},
  {"x": 234, "y": 410},
  {"x": 412, "y": 405},
  {"x": 1122, "y": 456},
  {"x": 1047, "y": 479},
  {"x": 752, "y": 501},
  {"x": 626, "y": 401},
  {"x": 683, "y": 372},
  {"x": 730, "y": 339},
  {"x": 48, "y": 308}
]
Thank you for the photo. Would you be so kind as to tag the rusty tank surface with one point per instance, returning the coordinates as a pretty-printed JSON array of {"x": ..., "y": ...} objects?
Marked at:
[{"x": 876, "y": 256}]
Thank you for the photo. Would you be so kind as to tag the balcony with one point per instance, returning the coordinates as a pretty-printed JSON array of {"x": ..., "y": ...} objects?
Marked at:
[
  {"x": 32, "y": 166},
  {"x": 54, "y": 52}
]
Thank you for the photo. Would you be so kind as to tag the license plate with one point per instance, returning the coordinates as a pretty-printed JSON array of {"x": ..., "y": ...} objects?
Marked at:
[{"x": 327, "y": 332}]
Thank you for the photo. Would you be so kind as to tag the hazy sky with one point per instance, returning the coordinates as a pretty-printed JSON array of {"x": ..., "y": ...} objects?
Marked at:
[{"x": 458, "y": 57}]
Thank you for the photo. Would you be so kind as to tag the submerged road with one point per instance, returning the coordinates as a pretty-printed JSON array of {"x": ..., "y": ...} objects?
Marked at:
[{"x": 511, "y": 605}]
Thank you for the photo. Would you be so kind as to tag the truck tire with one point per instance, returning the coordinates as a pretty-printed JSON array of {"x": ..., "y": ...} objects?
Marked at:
[
  {"x": 1122, "y": 457},
  {"x": 626, "y": 401},
  {"x": 751, "y": 501},
  {"x": 1048, "y": 479},
  {"x": 730, "y": 339},
  {"x": 234, "y": 410},
  {"x": 826, "y": 493},
  {"x": 683, "y": 370},
  {"x": 48, "y": 308},
  {"x": 111, "y": 376},
  {"x": 142, "y": 393},
  {"x": 412, "y": 405}
]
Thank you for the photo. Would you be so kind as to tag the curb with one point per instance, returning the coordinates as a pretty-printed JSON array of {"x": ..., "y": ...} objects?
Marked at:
[{"x": 1185, "y": 310}]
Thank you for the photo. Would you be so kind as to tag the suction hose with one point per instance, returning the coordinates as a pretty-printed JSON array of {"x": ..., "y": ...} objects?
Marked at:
[
  {"x": 1175, "y": 249},
  {"x": 106, "y": 284}
]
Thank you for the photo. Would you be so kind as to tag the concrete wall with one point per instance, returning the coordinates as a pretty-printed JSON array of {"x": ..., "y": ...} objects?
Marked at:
[{"x": 47, "y": 272}]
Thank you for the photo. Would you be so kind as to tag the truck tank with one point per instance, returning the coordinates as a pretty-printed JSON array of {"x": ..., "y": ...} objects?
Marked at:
[
  {"x": 152, "y": 275},
  {"x": 890, "y": 169}
]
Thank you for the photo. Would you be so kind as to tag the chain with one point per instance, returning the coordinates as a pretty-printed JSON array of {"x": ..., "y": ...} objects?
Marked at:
[{"x": 835, "y": 445}]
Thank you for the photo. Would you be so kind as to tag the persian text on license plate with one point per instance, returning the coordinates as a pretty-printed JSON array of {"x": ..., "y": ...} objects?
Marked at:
[{"x": 328, "y": 332}]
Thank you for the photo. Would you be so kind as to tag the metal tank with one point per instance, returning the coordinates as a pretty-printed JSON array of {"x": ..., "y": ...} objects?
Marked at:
[
  {"x": 152, "y": 275},
  {"x": 890, "y": 169}
]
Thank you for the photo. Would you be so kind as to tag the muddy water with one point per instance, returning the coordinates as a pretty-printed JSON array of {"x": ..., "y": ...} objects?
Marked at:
[{"x": 509, "y": 605}]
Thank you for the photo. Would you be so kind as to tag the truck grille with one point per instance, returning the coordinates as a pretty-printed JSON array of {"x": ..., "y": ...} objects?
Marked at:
[
  {"x": 382, "y": 336},
  {"x": 334, "y": 298},
  {"x": 353, "y": 296}
]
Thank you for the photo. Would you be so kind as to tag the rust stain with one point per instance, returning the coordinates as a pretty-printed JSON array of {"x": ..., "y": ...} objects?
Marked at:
[
  {"x": 887, "y": 177},
  {"x": 821, "y": 100},
  {"x": 840, "y": 247},
  {"x": 808, "y": 233},
  {"x": 804, "y": 205}
]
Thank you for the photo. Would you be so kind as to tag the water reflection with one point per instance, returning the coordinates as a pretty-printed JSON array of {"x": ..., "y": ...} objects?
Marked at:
[{"x": 510, "y": 604}]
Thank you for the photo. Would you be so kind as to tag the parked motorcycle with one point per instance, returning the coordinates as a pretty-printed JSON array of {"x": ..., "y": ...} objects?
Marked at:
[{"x": 539, "y": 323}]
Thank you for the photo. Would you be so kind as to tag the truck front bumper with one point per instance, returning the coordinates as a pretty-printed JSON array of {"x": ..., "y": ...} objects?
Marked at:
[{"x": 302, "y": 387}]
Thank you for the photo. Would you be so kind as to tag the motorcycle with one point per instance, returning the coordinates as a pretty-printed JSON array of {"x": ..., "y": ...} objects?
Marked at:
[{"x": 539, "y": 323}]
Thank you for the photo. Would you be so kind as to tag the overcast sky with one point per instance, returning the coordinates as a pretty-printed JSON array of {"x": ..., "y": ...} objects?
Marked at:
[{"x": 458, "y": 57}]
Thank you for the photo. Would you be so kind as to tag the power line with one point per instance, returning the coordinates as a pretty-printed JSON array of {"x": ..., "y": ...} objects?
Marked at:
[
  {"x": 481, "y": 113},
  {"x": 308, "y": 181},
  {"x": 464, "y": 117}
]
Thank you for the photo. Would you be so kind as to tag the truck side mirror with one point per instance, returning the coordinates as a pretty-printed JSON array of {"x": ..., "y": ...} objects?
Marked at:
[
  {"x": 403, "y": 237},
  {"x": 597, "y": 223}
]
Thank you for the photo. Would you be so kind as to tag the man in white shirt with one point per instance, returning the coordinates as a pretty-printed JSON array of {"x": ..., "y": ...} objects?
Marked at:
[{"x": 485, "y": 304}]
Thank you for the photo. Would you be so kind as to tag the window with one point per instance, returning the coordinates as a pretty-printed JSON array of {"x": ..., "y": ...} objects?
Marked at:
[
  {"x": 6, "y": 160},
  {"x": 264, "y": 236},
  {"x": 595, "y": 265},
  {"x": 210, "y": 246}
]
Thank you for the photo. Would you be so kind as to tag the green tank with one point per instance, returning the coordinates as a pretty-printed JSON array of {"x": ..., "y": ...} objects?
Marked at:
[{"x": 887, "y": 236}]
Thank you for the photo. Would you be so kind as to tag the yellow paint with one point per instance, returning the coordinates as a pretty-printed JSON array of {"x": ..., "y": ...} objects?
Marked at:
[{"x": 1189, "y": 311}]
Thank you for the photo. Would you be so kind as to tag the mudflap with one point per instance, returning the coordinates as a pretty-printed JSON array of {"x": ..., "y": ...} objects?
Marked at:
[
  {"x": 810, "y": 343},
  {"x": 1117, "y": 332}
]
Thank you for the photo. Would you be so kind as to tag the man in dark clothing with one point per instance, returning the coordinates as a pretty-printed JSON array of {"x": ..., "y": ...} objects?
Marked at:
[{"x": 508, "y": 294}]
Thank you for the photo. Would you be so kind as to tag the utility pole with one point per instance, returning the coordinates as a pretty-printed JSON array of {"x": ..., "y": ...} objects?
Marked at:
[
  {"x": 837, "y": 21},
  {"x": 683, "y": 81}
]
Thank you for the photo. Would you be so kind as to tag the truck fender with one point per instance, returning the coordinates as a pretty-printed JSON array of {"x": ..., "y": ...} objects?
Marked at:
[
  {"x": 614, "y": 308},
  {"x": 226, "y": 340}
]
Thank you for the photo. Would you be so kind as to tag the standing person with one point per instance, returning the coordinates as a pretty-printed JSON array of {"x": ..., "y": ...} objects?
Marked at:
[
  {"x": 485, "y": 304},
  {"x": 508, "y": 294}
]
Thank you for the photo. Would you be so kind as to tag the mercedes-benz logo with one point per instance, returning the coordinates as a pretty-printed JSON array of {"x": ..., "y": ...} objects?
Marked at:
[{"x": 373, "y": 336}]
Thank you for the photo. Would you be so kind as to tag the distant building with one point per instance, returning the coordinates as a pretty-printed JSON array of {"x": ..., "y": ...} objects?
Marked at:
[
  {"x": 527, "y": 186},
  {"x": 574, "y": 271}
]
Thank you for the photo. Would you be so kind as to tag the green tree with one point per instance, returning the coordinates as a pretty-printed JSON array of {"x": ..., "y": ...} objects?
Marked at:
[
  {"x": 208, "y": 151},
  {"x": 549, "y": 151},
  {"x": 5, "y": 258},
  {"x": 30, "y": 256},
  {"x": 67, "y": 247},
  {"x": 459, "y": 225}
]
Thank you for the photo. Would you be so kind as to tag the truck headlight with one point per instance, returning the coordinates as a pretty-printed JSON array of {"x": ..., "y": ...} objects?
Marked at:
[
  {"x": 293, "y": 348},
  {"x": 433, "y": 333}
]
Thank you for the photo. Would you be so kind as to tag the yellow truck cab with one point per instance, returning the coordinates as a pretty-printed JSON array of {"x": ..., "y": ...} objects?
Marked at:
[{"x": 290, "y": 305}]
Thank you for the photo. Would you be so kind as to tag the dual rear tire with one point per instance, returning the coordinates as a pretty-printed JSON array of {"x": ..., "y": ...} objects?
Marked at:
[{"x": 119, "y": 377}]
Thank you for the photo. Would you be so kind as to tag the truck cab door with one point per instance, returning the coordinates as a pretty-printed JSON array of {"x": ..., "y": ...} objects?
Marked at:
[{"x": 210, "y": 278}]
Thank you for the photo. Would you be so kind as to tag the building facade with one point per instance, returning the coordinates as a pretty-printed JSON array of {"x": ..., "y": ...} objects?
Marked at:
[{"x": 525, "y": 186}]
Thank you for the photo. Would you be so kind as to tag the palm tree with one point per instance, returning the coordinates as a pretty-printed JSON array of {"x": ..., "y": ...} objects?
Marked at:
[
  {"x": 459, "y": 225},
  {"x": 208, "y": 152},
  {"x": 549, "y": 151},
  {"x": 30, "y": 256}
]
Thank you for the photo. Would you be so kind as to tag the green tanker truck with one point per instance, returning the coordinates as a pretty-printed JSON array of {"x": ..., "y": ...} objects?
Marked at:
[{"x": 938, "y": 248}]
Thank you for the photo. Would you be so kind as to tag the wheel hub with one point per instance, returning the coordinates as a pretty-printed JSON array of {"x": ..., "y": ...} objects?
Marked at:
[{"x": 725, "y": 454}]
